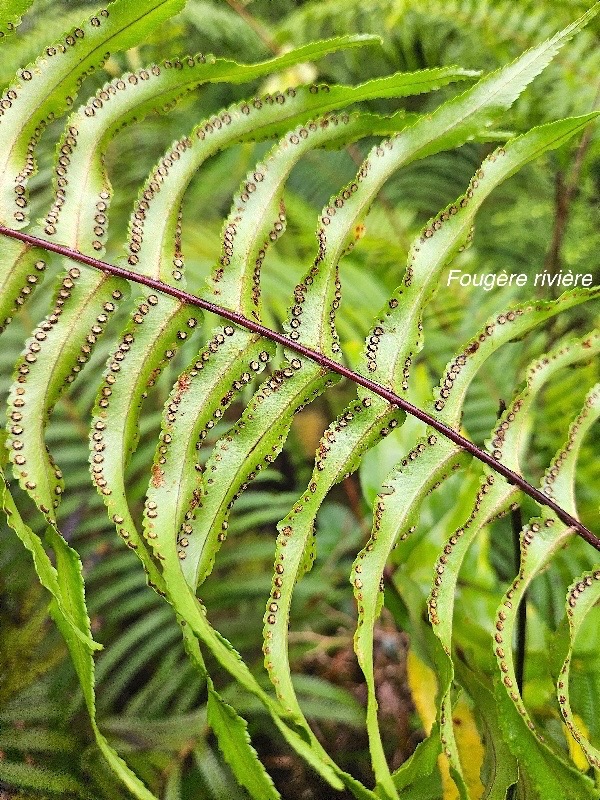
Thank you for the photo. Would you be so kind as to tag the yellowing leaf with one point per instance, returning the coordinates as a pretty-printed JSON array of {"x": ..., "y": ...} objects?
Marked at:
[
  {"x": 575, "y": 749},
  {"x": 423, "y": 687},
  {"x": 470, "y": 747}
]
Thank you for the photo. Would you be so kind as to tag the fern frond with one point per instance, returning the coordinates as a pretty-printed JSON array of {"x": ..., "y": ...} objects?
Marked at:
[
  {"x": 447, "y": 127},
  {"x": 78, "y": 218},
  {"x": 509, "y": 441},
  {"x": 192, "y": 492},
  {"x": 544, "y": 771},
  {"x": 154, "y": 246},
  {"x": 363, "y": 423}
]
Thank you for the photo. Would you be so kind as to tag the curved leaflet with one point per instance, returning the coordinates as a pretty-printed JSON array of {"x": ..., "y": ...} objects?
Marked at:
[
  {"x": 231, "y": 731},
  {"x": 582, "y": 596},
  {"x": 494, "y": 498},
  {"x": 44, "y": 568},
  {"x": 64, "y": 581},
  {"x": 70, "y": 578},
  {"x": 541, "y": 770}
]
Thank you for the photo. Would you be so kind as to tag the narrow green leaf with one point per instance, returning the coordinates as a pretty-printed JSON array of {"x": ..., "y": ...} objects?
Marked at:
[
  {"x": 231, "y": 731},
  {"x": 53, "y": 357},
  {"x": 43, "y": 566},
  {"x": 324, "y": 98},
  {"x": 234, "y": 741},
  {"x": 421, "y": 764},
  {"x": 20, "y": 270},
  {"x": 500, "y": 765},
  {"x": 70, "y": 580},
  {"x": 582, "y": 596},
  {"x": 65, "y": 583},
  {"x": 158, "y": 325},
  {"x": 308, "y": 52}
]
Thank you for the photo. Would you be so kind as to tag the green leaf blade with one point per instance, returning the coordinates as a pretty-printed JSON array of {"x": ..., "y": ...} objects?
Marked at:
[
  {"x": 11, "y": 12},
  {"x": 52, "y": 359},
  {"x": 232, "y": 733},
  {"x": 72, "y": 590},
  {"x": 582, "y": 596}
]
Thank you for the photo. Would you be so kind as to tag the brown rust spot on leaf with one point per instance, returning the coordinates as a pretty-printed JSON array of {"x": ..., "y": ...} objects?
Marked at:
[
  {"x": 158, "y": 476},
  {"x": 183, "y": 383}
]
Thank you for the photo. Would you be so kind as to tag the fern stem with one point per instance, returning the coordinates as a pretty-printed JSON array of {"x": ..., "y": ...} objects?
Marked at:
[
  {"x": 517, "y": 527},
  {"x": 256, "y": 26},
  {"x": 319, "y": 358}
]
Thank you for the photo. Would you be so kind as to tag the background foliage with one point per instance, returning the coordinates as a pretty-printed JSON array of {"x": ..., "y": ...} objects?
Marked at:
[{"x": 150, "y": 701}]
